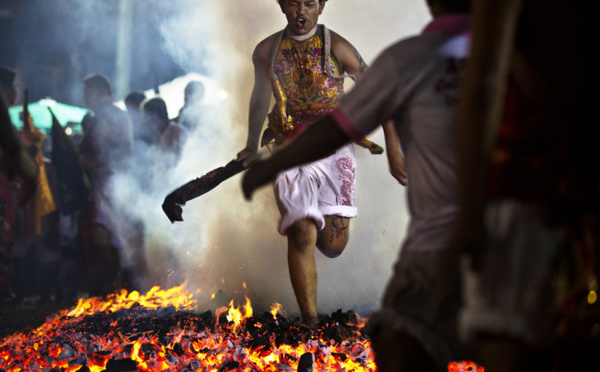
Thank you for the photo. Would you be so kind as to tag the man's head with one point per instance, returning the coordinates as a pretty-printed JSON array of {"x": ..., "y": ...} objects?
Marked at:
[
  {"x": 133, "y": 101},
  {"x": 281, "y": 2},
  {"x": 7, "y": 78},
  {"x": 155, "y": 113},
  {"x": 439, "y": 7},
  {"x": 194, "y": 92},
  {"x": 302, "y": 15},
  {"x": 96, "y": 90}
]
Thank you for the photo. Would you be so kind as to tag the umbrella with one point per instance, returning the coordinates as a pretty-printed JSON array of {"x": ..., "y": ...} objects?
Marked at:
[{"x": 42, "y": 119}]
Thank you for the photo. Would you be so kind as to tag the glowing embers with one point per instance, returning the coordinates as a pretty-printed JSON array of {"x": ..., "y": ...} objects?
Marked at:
[
  {"x": 155, "y": 298},
  {"x": 234, "y": 315},
  {"x": 464, "y": 366},
  {"x": 160, "y": 331}
]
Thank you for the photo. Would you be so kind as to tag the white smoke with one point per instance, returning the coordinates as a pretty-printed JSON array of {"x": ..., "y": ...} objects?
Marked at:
[{"x": 226, "y": 241}]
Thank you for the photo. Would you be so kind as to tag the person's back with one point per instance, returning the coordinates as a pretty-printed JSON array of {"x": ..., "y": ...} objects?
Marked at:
[
  {"x": 105, "y": 150},
  {"x": 428, "y": 69},
  {"x": 195, "y": 110},
  {"x": 133, "y": 102},
  {"x": 415, "y": 83},
  {"x": 114, "y": 128},
  {"x": 166, "y": 135},
  {"x": 108, "y": 135}
]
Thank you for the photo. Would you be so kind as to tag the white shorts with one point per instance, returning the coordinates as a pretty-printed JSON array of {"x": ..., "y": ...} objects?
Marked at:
[{"x": 321, "y": 188}]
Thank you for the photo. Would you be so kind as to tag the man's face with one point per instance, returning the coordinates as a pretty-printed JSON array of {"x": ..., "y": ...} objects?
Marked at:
[
  {"x": 91, "y": 96},
  {"x": 302, "y": 15}
]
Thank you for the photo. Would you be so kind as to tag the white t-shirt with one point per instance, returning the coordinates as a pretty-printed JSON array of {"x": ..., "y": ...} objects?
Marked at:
[{"x": 415, "y": 83}]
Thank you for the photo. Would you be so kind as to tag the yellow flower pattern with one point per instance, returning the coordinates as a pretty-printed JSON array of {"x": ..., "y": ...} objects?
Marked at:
[{"x": 309, "y": 91}]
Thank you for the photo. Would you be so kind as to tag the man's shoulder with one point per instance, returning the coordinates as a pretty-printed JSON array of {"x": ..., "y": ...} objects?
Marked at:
[
  {"x": 336, "y": 39},
  {"x": 110, "y": 108},
  {"x": 406, "y": 58},
  {"x": 345, "y": 52},
  {"x": 414, "y": 46},
  {"x": 113, "y": 113},
  {"x": 262, "y": 51},
  {"x": 267, "y": 43}
]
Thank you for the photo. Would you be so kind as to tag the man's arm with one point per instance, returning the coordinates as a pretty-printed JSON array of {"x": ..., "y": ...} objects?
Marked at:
[
  {"x": 347, "y": 55},
  {"x": 353, "y": 63},
  {"x": 259, "y": 100},
  {"x": 394, "y": 155},
  {"x": 315, "y": 142}
]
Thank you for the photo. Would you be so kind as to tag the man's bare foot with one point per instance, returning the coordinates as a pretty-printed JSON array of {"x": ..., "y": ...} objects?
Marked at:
[{"x": 311, "y": 324}]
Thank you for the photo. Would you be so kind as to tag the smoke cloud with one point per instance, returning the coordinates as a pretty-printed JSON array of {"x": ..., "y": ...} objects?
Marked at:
[{"x": 226, "y": 241}]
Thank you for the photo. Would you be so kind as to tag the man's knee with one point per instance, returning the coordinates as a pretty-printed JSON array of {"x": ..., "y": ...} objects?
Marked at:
[
  {"x": 302, "y": 235},
  {"x": 332, "y": 240},
  {"x": 332, "y": 249}
]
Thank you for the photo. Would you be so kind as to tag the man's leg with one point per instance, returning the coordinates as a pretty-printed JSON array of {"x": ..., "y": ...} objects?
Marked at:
[
  {"x": 399, "y": 352},
  {"x": 332, "y": 240},
  {"x": 302, "y": 238}
]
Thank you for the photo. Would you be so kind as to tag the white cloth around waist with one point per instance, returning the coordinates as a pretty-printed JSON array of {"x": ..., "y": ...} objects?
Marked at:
[{"x": 321, "y": 188}]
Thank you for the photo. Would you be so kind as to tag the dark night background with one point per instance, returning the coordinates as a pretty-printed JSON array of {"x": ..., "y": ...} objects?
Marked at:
[{"x": 53, "y": 44}]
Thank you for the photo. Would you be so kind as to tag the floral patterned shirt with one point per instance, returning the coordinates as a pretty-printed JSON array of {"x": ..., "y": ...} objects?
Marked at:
[{"x": 310, "y": 90}]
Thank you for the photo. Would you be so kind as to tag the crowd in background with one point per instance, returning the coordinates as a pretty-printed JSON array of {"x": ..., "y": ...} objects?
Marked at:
[{"x": 63, "y": 234}]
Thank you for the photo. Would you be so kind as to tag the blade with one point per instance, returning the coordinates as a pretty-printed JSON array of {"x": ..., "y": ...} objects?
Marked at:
[{"x": 195, "y": 188}]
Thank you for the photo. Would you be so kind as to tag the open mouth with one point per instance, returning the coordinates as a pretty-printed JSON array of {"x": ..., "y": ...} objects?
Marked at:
[{"x": 300, "y": 22}]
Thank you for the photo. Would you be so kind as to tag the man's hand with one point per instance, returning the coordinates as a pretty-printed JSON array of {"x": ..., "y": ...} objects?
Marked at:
[
  {"x": 172, "y": 206},
  {"x": 259, "y": 174},
  {"x": 316, "y": 142},
  {"x": 397, "y": 167},
  {"x": 247, "y": 155},
  {"x": 394, "y": 154}
]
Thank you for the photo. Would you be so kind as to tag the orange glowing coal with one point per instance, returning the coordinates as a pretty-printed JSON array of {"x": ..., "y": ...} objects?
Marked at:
[
  {"x": 275, "y": 309},
  {"x": 155, "y": 298},
  {"x": 464, "y": 366},
  {"x": 162, "y": 331},
  {"x": 234, "y": 314}
]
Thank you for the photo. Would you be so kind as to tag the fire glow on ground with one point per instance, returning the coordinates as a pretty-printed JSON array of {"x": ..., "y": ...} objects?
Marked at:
[{"x": 163, "y": 331}]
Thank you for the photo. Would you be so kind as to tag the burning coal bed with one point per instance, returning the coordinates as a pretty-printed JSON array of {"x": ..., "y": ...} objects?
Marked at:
[{"x": 163, "y": 331}]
